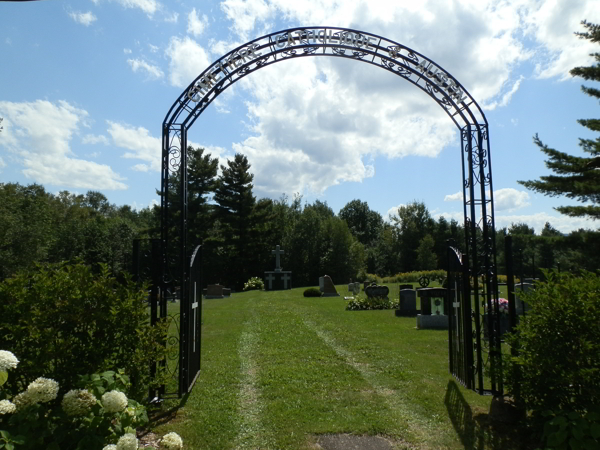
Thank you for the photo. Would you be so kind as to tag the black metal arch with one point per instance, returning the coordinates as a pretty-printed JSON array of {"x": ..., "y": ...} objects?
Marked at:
[{"x": 376, "y": 50}]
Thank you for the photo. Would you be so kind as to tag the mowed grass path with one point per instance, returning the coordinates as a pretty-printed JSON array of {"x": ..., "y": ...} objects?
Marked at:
[{"x": 279, "y": 369}]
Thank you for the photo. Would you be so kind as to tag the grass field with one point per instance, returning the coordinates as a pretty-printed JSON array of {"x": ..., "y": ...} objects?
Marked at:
[{"x": 278, "y": 370}]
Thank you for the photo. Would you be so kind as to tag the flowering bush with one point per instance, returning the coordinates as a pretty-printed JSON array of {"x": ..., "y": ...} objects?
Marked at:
[
  {"x": 60, "y": 317},
  {"x": 254, "y": 283},
  {"x": 96, "y": 414},
  {"x": 362, "y": 302},
  {"x": 171, "y": 441}
]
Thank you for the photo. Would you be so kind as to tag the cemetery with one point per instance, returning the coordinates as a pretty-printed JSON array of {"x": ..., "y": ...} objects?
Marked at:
[{"x": 237, "y": 323}]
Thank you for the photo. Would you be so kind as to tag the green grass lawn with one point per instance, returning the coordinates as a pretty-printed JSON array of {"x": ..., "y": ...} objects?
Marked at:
[{"x": 279, "y": 369}]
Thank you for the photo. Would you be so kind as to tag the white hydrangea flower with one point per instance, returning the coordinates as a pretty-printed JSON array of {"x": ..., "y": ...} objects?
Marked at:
[
  {"x": 7, "y": 407},
  {"x": 172, "y": 441},
  {"x": 77, "y": 402},
  {"x": 43, "y": 390},
  {"x": 23, "y": 400},
  {"x": 114, "y": 401},
  {"x": 110, "y": 447},
  {"x": 7, "y": 360},
  {"x": 127, "y": 442}
]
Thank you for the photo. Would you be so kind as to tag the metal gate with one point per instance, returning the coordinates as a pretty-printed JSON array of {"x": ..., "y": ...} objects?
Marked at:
[
  {"x": 191, "y": 322},
  {"x": 474, "y": 351},
  {"x": 182, "y": 364}
]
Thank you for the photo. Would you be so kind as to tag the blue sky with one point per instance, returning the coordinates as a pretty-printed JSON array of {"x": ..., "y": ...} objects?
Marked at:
[{"x": 85, "y": 86}]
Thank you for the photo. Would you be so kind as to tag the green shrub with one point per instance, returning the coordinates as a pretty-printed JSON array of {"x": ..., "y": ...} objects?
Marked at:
[
  {"x": 558, "y": 365},
  {"x": 565, "y": 430},
  {"x": 253, "y": 284},
  {"x": 47, "y": 416},
  {"x": 312, "y": 292},
  {"x": 413, "y": 277},
  {"x": 362, "y": 302},
  {"x": 63, "y": 320}
]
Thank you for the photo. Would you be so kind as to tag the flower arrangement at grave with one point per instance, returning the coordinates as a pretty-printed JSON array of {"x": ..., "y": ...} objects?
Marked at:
[
  {"x": 96, "y": 415},
  {"x": 502, "y": 305}
]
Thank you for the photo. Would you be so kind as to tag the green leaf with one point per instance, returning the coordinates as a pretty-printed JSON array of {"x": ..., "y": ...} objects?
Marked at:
[
  {"x": 557, "y": 438},
  {"x": 18, "y": 439},
  {"x": 559, "y": 420},
  {"x": 9, "y": 446},
  {"x": 575, "y": 444},
  {"x": 3, "y": 377},
  {"x": 53, "y": 446},
  {"x": 591, "y": 444},
  {"x": 595, "y": 430}
]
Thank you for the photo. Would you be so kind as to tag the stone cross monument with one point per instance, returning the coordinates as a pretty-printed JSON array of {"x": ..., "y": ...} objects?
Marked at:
[{"x": 278, "y": 279}]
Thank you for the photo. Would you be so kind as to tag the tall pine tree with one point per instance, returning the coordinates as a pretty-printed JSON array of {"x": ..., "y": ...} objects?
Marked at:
[
  {"x": 234, "y": 210},
  {"x": 576, "y": 177}
]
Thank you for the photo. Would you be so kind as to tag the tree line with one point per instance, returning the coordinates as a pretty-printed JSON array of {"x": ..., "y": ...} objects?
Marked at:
[{"x": 239, "y": 231}]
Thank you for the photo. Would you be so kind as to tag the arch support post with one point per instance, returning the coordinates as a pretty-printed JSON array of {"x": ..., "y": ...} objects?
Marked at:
[{"x": 481, "y": 259}]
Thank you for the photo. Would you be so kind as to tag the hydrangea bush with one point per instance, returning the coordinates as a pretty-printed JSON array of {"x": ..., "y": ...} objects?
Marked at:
[
  {"x": 254, "y": 283},
  {"x": 60, "y": 317},
  {"x": 97, "y": 415}
]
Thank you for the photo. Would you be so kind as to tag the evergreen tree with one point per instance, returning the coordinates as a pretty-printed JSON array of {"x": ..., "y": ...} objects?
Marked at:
[
  {"x": 234, "y": 210},
  {"x": 202, "y": 173},
  {"x": 576, "y": 177}
]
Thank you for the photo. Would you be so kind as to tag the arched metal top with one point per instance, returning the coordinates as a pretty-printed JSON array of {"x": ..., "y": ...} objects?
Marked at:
[{"x": 326, "y": 41}]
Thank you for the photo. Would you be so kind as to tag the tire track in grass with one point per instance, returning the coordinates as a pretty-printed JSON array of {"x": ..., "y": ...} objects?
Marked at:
[
  {"x": 419, "y": 427},
  {"x": 251, "y": 433}
]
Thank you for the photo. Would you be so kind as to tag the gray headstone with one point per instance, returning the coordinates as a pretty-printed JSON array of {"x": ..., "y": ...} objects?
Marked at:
[
  {"x": 521, "y": 306},
  {"x": 322, "y": 283},
  {"x": 408, "y": 302}
]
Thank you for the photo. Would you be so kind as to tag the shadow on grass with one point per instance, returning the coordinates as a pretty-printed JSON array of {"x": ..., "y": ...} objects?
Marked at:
[
  {"x": 165, "y": 412},
  {"x": 480, "y": 431}
]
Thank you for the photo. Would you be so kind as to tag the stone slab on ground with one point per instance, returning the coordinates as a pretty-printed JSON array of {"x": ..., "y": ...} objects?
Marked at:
[
  {"x": 352, "y": 442},
  {"x": 435, "y": 322}
]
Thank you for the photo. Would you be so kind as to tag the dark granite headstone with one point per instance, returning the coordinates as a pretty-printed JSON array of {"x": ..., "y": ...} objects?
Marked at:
[
  {"x": 405, "y": 286},
  {"x": 329, "y": 288},
  {"x": 408, "y": 303},
  {"x": 377, "y": 291}
]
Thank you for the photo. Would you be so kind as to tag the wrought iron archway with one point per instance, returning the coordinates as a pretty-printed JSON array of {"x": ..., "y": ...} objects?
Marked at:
[{"x": 480, "y": 256}]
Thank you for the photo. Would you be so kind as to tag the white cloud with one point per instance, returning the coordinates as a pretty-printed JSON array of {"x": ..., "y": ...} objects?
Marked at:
[
  {"x": 40, "y": 133},
  {"x": 153, "y": 48},
  {"x": 506, "y": 199},
  {"x": 509, "y": 199},
  {"x": 196, "y": 25},
  {"x": 564, "y": 224},
  {"x": 142, "y": 145},
  {"x": 392, "y": 212},
  {"x": 93, "y": 139},
  {"x": 153, "y": 72},
  {"x": 453, "y": 197},
  {"x": 127, "y": 51},
  {"x": 505, "y": 100},
  {"x": 552, "y": 24},
  {"x": 83, "y": 18},
  {"x": 147, "y": 6},
  {"x": 172, "y": 18},
  {"x": 141, "y": 168},
  {"x": 246, "y": 14},
  {"x": 8, "y": 41},
  {"x": 187, "y": 60},
  {"x": 314, "y": 123},
  {"x": 2, "y": 163}
]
